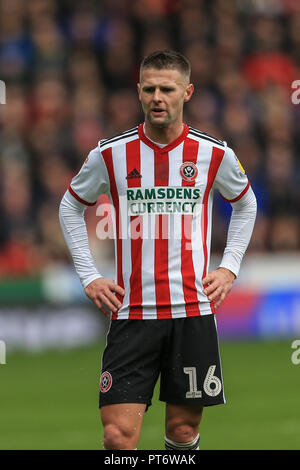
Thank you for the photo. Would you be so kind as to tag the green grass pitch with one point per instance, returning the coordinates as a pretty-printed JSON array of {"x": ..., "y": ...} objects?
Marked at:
[{"x": 49, "y": 400}]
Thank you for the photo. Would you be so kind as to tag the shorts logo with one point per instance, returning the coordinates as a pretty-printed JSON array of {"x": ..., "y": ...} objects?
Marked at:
[
  {"x": 105, "y": 382},
  {"x": 188, "y": 171}
]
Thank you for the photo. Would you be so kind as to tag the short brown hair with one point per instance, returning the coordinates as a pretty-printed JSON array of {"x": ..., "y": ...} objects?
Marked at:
[{"x": 167, "y": 60}]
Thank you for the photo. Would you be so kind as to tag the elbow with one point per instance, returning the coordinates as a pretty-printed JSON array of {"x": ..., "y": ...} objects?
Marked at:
[
  {"x": 61, "y": 204},
  {"x": 63, "y": 208},
  {"x": 253, "y": 206},
  {"x": 61, "y": 212}
]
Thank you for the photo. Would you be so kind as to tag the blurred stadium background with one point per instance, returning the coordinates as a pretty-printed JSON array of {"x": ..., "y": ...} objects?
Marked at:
[{"x": 70, "y": 70}]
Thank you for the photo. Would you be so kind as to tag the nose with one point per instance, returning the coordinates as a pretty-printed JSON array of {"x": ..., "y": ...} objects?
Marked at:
[{"x": 156, "y": 95}]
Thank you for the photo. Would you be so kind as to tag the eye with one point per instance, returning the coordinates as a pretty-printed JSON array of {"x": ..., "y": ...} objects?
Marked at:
[
  {"x": 167, "y": 89},
  {"x": 148, "y": 89}
]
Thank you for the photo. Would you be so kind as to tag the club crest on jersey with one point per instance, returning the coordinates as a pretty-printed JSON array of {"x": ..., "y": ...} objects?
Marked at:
[
  {"x": 105, "y": 382},
  {"x": 188, "y": 171}
]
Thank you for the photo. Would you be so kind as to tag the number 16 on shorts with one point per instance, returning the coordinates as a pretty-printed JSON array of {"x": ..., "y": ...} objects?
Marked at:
[{"x": 212, "y": 384}]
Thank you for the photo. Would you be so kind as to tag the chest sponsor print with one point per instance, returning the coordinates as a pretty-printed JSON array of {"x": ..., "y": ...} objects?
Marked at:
[{"x": 163, "y": 200}]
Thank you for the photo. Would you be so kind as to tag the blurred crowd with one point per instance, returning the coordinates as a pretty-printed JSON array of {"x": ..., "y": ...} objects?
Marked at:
[{"x": 70, "y": 69}]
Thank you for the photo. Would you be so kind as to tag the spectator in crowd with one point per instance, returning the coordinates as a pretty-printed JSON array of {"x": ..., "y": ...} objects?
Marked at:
[{"x": 70, "y": 71}]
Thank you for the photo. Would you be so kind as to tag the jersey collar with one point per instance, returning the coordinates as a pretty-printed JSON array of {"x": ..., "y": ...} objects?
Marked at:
[{"x": 168, "y": 147}]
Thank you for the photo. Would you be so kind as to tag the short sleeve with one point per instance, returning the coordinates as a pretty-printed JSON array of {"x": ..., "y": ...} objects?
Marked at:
[
  {"x": 231, "y": 179},
  {"x": 92, "y": 179}
]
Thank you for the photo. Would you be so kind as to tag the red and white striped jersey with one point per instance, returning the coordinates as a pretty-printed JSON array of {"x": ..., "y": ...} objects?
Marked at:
[{"x": 162, "y": 199}]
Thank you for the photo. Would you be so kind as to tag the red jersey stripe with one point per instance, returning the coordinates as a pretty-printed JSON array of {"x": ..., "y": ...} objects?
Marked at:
[
  {"x": 161, "y": 254},
  {"x": 190, "y": 153},
  {"x": 79, "y": 198},
  {"x": 239, "y": 196},
  {"x": 215, "y": 162},
  {"x": 107, "y": 156},
  {"x": 133, "y": 162}
]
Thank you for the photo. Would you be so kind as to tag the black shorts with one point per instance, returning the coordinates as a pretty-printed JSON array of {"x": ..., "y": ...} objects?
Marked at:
[{"x": 184, "y": 351}]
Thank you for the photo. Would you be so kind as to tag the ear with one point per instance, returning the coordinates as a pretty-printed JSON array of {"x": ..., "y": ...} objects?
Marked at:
[
  {"x": 139, "y": 90},
  {"x": 188, "y": 92}
]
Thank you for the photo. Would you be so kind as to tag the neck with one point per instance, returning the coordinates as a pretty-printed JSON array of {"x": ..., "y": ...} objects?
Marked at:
[{"x": 164, "y": 135}]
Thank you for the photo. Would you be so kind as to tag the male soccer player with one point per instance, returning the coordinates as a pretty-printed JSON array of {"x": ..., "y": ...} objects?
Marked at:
[{"x": 160, "y": 177}]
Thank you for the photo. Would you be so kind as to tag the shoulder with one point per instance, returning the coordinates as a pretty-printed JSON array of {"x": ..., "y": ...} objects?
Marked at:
[
  {"x": 118, "y": 139},
  {"x": 205, "y": 138},
  {"x": 94, "y": 164}
]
